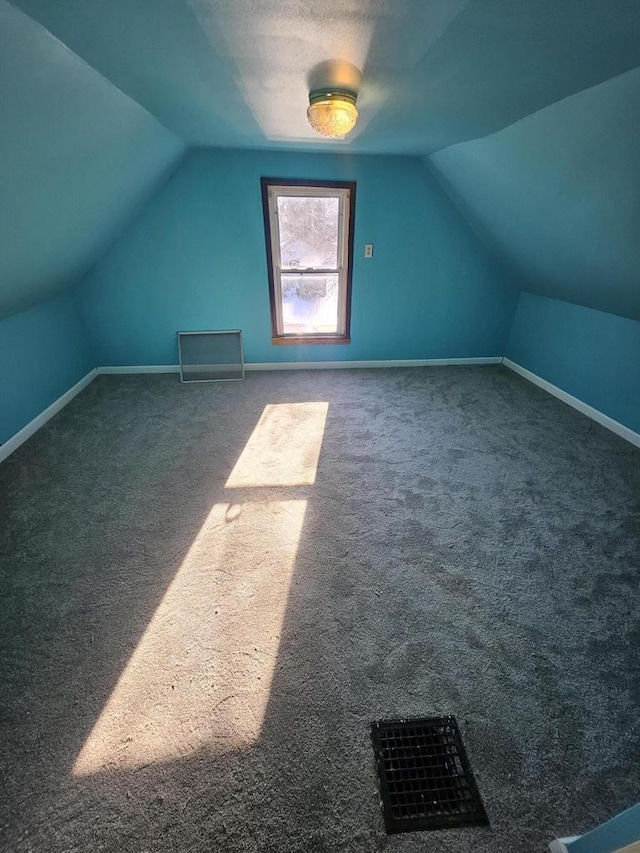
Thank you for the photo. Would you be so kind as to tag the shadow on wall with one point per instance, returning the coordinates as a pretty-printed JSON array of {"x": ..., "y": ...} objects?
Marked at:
[{"x": 206, "y": 609}]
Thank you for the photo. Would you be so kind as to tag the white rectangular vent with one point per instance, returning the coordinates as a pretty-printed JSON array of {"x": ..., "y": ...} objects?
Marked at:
[{"x": 210, "y": 356}]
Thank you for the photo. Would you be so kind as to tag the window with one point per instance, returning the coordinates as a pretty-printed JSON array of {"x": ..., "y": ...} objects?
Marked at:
[{"x": 309, "y": 236}]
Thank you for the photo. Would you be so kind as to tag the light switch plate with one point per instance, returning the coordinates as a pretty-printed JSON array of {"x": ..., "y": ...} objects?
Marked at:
[{"x": 368, "y": 250}]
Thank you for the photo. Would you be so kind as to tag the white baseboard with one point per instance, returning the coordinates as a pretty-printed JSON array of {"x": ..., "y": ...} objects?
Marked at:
[
  {"x": 560, "y": 844},
  {"x": 311, "y": 365},
  {"x": 341, "y": 365},
  {"x": 27, "y": 431},
  {"x": 139, "y": 368},
  {"x": 604, "y": 420}
]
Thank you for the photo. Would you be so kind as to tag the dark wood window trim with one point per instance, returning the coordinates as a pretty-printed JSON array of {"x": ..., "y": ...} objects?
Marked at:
[{"x": 311, "y": 338}]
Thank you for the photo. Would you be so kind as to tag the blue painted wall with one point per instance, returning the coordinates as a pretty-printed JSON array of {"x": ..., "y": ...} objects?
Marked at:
[
  {"x": 77, "y": 159},
  {"x": 556, "y": 195},
  {"x": 195, "y": 259},
  {"x": 43, "y": 352},
  {"x": 590, "y": 354}
]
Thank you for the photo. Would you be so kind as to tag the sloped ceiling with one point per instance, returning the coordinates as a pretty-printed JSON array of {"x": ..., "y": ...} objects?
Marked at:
[
  {"x": 77, "y": 157},
  {"x": 510, "y": 84},
  {"x": 558, "y": 195},
  {"x": 435, "y": 72}
]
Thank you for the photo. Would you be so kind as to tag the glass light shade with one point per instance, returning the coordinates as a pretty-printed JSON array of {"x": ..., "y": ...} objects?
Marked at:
[{"x": 332, "y": 113}]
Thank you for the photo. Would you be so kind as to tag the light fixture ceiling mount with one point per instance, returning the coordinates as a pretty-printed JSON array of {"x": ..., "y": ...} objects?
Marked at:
[{"x": 332, "y": 111}]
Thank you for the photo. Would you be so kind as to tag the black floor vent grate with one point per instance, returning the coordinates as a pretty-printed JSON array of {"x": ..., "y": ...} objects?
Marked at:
[{"x": 425, "y": 778}]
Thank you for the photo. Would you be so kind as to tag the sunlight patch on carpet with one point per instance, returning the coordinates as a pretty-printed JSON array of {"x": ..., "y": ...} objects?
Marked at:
[
  {"x": 284, "y": 448},
  {"x": 201, "y": 674}
]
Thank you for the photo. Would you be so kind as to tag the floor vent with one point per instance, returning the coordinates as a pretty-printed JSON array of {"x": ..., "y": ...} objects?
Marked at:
[
  {"x": 210, "y": 356},
  {"x": 426, "y": 781}
]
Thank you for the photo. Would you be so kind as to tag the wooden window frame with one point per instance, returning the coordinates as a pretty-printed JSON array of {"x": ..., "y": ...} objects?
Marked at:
[{"x": 347, "y": 274}]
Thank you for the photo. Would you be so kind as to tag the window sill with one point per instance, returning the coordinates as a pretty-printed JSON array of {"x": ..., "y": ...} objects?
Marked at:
[{"x": 309, "y": 339}]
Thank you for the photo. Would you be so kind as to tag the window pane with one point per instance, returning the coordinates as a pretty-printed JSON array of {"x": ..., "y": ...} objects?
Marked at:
[
  {"x": 308, "y": 232},
  {"x": 309, "y": 303}
]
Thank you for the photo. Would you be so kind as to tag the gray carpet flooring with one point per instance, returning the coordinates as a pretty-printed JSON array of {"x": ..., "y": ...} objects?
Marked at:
[{"x": 209, "y": 591}]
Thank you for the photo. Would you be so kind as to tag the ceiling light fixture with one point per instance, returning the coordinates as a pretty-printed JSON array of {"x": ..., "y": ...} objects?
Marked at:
[{"x": 332, "y": 112}]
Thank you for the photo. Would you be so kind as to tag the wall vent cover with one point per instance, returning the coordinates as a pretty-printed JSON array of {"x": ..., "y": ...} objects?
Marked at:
[
  {"x": 210, "y": 356},
  {"x": 426, "y": 781}
]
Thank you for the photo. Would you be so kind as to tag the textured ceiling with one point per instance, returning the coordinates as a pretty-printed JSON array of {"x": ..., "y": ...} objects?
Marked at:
[{"x": 435, "y": 72}]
